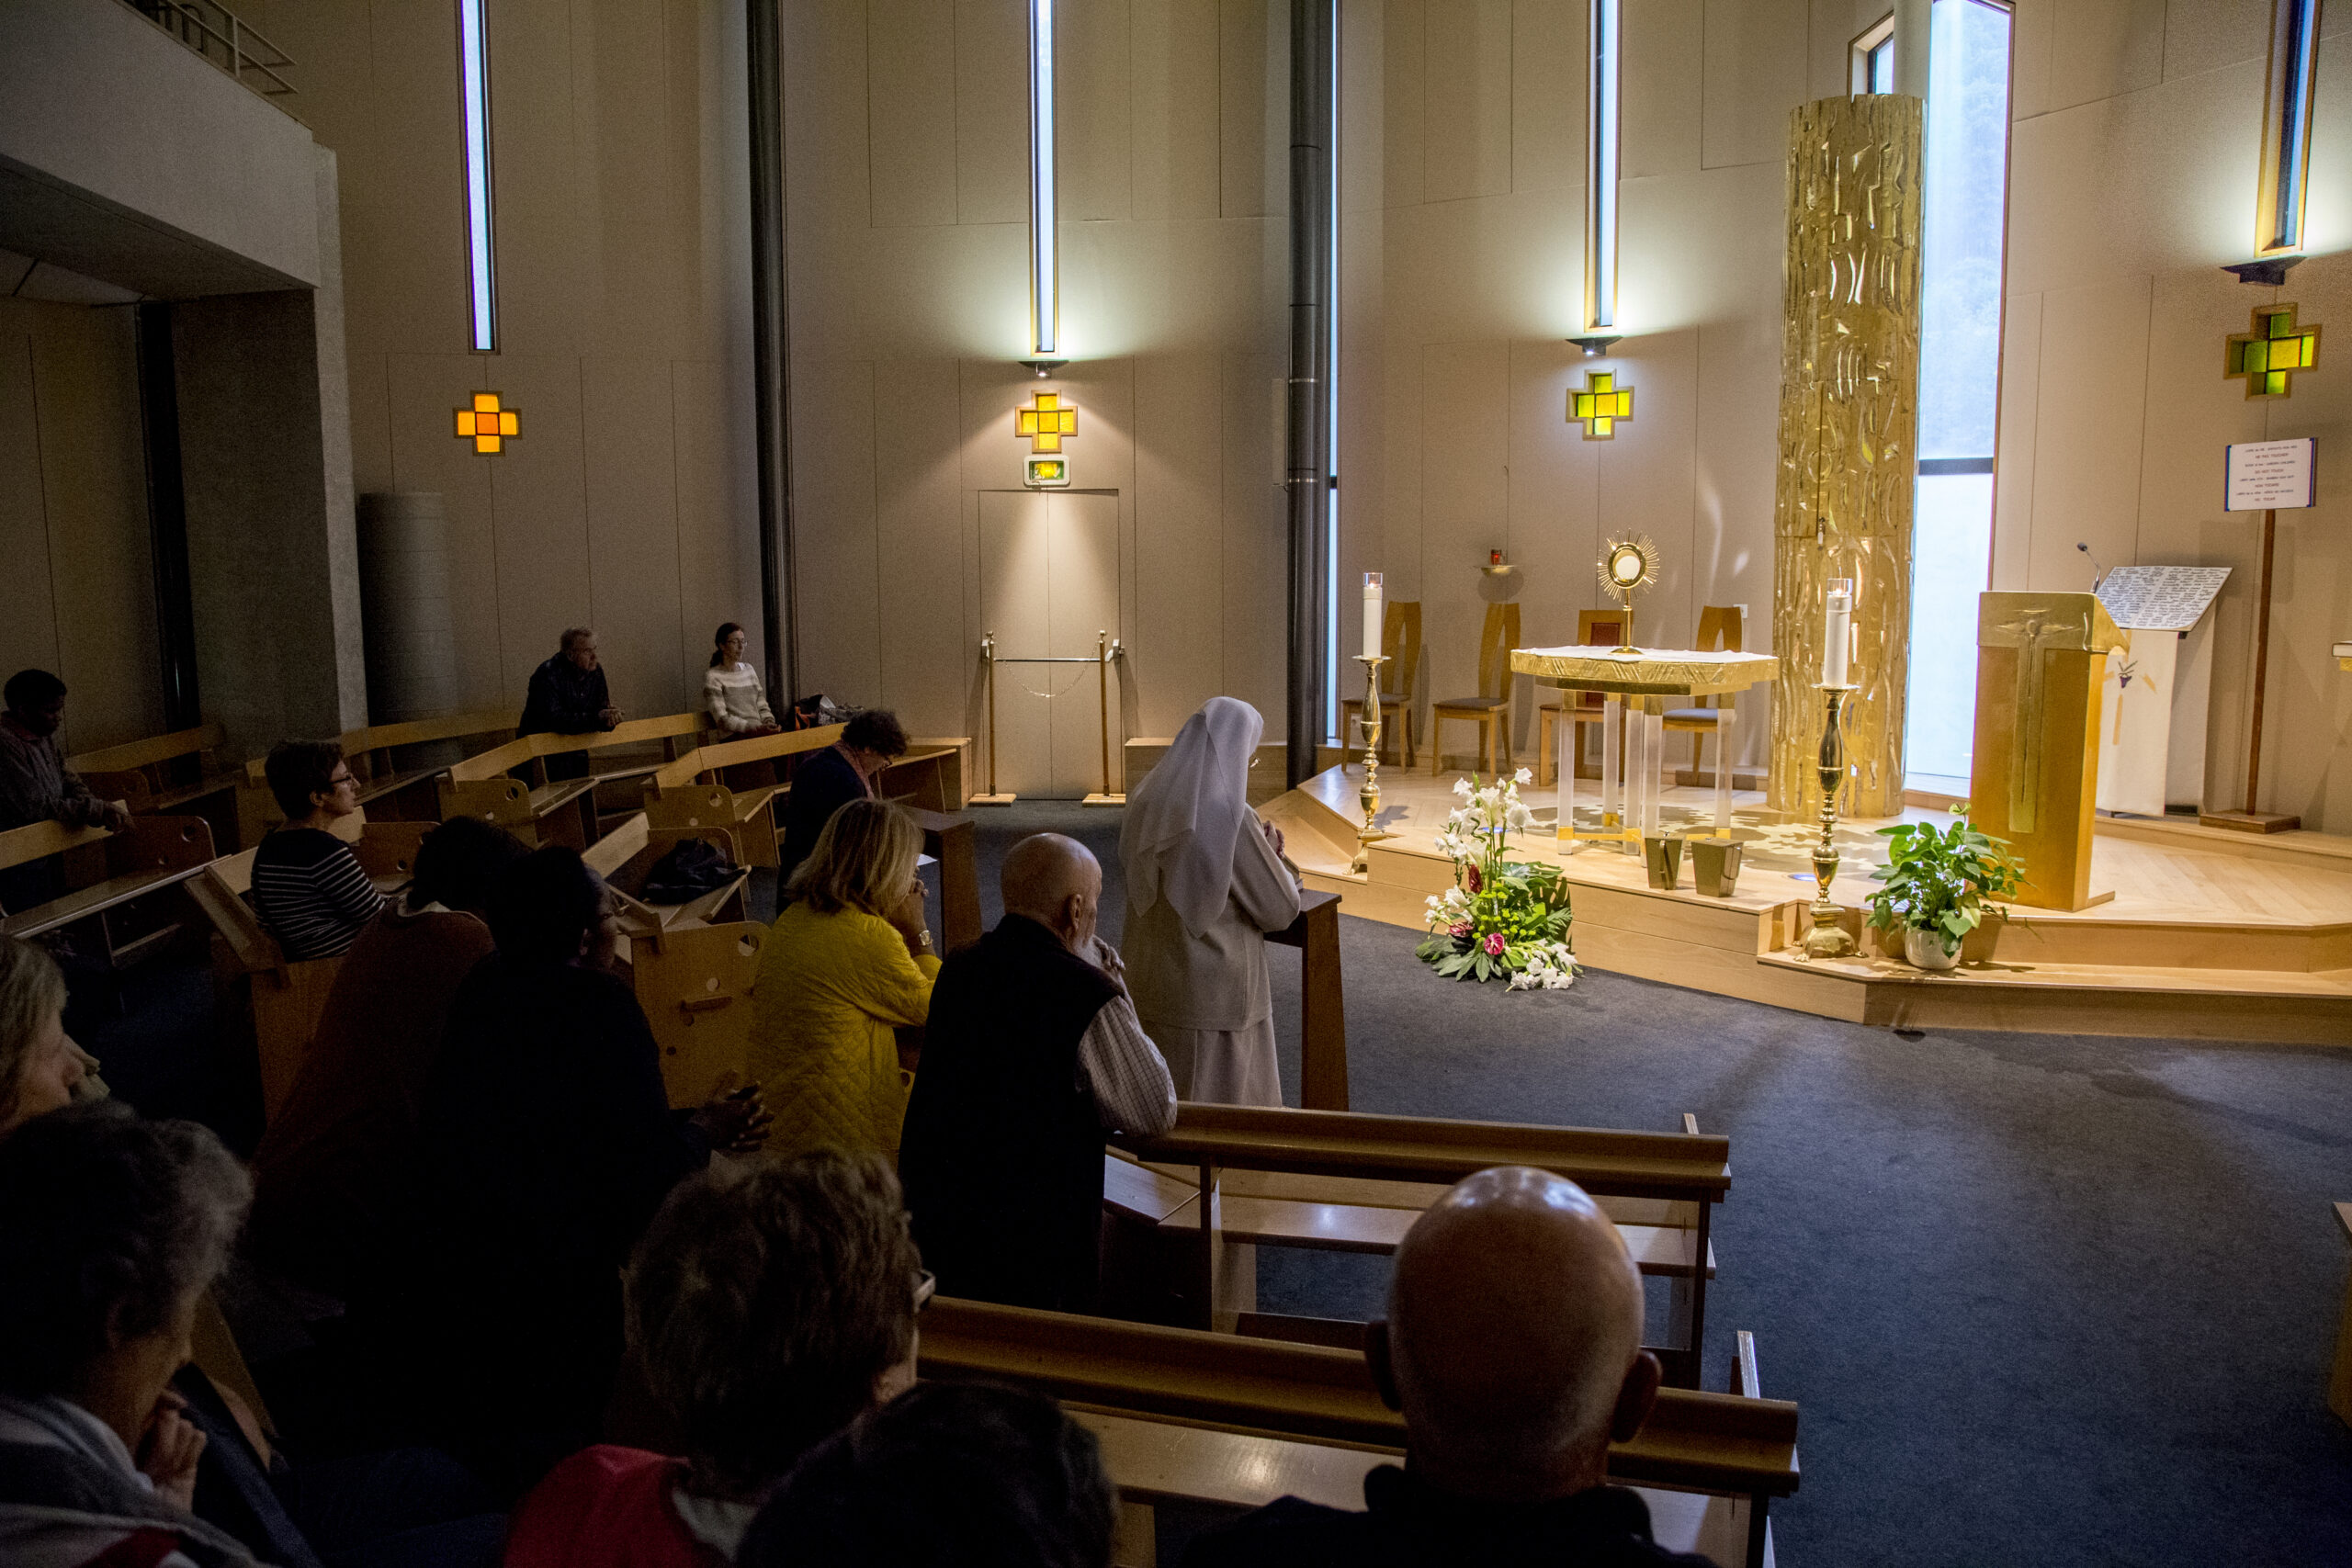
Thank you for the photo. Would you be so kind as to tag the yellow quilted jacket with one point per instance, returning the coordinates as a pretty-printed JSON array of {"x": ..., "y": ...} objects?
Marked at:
[{"x": 831, "y": 989}]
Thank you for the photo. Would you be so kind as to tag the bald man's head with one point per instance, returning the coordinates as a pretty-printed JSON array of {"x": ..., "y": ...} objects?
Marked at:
[
  {"x": 1514, "y": 1337},
  {"x": 1057, "y": 882}
]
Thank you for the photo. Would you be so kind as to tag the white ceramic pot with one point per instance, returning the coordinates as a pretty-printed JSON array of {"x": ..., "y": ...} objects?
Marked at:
[{"x": 1926, "y": 949}]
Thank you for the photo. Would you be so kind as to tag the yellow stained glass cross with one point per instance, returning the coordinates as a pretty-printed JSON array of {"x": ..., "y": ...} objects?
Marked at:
[
  {"x": 2269, "y": 353},
  {"x": 487, "y": 425},
  {"x": 1045, "y": 424},
  {"x": 1601, "y": 405}
]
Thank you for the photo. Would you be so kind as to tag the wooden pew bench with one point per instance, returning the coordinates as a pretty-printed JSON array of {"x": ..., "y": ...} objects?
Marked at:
[
  {"x": 481, "y": 786},
  {"x": 693, "y": 791},
  {"x": 399, "y": 767},
  {"x": 153, "y": 855},
  {"x": 1316, "y": 1404},
  {"x": 1342, "y": 1181},
  {"x": 175, "y": 774}
]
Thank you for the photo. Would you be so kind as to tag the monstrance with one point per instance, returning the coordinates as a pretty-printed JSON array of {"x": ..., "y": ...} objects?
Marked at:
[{"x": 1628, "y": 565}]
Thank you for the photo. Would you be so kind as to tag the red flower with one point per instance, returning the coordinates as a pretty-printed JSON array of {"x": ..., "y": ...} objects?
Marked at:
[
  {"x": 1494, "y": 944},
  {"x": 1470, "y": 875},
  {"x": 1459, "y": 928}
]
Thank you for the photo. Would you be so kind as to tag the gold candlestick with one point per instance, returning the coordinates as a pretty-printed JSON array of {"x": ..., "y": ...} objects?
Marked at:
[
  {"x": 1370, "y": 835},
  {"x": 1828, "y": 938}
]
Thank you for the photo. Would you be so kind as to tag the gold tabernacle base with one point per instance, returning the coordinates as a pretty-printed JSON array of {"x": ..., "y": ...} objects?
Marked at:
[{"x": 2212, "y": 934}]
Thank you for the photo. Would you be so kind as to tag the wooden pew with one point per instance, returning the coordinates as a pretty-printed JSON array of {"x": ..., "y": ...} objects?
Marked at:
[
  {"x": 935, "y": 774},
  {"x": 393, "y": 787},
  {"x": 565, "y": 811},
  {"x": 1323, "y": 1020},
  {"x": 691, "y": 791},
  {"x": 151, "y": 855},
  {"x": 167, "y": 774},
  {"x": 1343, "y": 1181},
  {"x": 623, "y": 857},
  {"x": 1721, "y": 1444}
]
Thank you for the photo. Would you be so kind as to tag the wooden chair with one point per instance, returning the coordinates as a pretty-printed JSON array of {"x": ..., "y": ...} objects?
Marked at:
[
  {"x": 1400, "y": 644},
  {"x": 1595, "y": 628},
  {"x": 177, "y": 773},
  {"x": 1490, "y": 709},
  {"x": 1719, "y": 626}
]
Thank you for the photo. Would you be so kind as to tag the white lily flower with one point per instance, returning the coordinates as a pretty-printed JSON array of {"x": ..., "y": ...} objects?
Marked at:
[
  {"x": 1462, "y": 788},
  {"x": 1522, "y": 776}
]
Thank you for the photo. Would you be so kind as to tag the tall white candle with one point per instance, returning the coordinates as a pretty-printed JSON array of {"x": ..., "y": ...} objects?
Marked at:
[
  {"x": 1837, "y": 638},
  {"x": 1372, "y": 614}
]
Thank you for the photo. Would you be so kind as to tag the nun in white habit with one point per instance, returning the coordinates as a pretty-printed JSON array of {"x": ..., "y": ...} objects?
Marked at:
[{"x": 1205, "y": 881}]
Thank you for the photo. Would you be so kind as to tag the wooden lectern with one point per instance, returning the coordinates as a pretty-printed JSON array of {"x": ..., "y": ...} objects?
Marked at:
[{"x": 2040, "y": 661}]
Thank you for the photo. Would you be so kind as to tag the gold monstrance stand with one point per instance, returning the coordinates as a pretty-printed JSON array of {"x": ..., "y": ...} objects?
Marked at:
[
  {"x": 1828, "y": 938},
  {"x": 1369, "y": 835}
]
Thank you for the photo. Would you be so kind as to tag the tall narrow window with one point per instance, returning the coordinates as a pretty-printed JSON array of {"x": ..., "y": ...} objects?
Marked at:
[
  {"x": 1045, "y": 275},
  {"x": 1959, "y": 373},
  {"x": 1333, "y": 679},
  {"x": 473, "y": 59},
  {"x": 1600, "y": 175},
  {"x": 2287, "y": 126},
  {"x": 1873, "y": 58}
]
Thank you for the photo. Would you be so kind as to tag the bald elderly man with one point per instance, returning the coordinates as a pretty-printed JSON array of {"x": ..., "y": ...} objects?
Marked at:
[
  {"x": 1513, "y": 1346},
  {"x": 1031, "y": 1052}
]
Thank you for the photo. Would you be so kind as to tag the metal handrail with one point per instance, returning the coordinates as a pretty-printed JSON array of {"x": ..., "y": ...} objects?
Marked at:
[{"x": 206, "y": 25}]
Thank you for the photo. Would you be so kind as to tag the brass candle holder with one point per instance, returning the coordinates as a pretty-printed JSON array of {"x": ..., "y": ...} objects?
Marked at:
[
  {"x": 1828, "y": 938},
  {"x": 1369, "y": 835}
]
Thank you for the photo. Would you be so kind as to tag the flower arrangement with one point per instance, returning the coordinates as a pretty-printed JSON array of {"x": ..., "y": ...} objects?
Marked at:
[
  {"x": 1501, "y": 918},
  {"x": 1942, "y": 883}
]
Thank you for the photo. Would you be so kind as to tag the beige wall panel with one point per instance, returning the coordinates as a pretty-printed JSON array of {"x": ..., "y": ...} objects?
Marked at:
[
  {"x": 2089, "y": 443},
  {"x": 1648, "y": 478},
  {"x": 915, "y": 289},
  {"x": 1553, "y": 480},
  {"x": 538, "y": 513},
  {"x": 1659, "y": 73},
  {"x": 1731, "y": 553},
  {"x": 548, "y": 202},
  {"x": 1173, "y": 114},
  {"x": 2329, "y": 213},
  {"x": 1179, "y": 605},
  {"x": 626, "y": 423},
  {"x": 928, "y": 653},
  {"x": 401, "y": 166},
  {"x": 910, "y": 110},
  {"x": 1253, "y": 107},
  {"x": 687, "y": 45},
  {"x": 2020, "y": 409},
  {"x": 719, "y": 546},
  {"x": 2030, "y": 61},
  {"x": 834, "y": 545},
  {"x": 368, "y": 386},
  {"x": 1467, "y": 104},
  {"x": 1466, "y": 499},
  {"x": 992, "y": 111},
  {"x": 2100, "y": 48},
  {"x": 1016, "y": 572},
  {"x": 1754, "y": 75},
  {"x": 1093, "y": 95},
  {"x": 1082, "y": 605},
  {"x": 828, "y": 142},
  {"x": 624, "y": 177},
  {"x": 1254, "y": 544},
  {"x": 423, "y": 390},
  {"x": 1547, "y": 101},
  {"x": 27, "y": 606},
  {"x": 2207, "y": 33},
  {"x": 1397, "y": 408},
  {"x": 1403, "y": 98},
  {"x": 2192, "y": 411}
]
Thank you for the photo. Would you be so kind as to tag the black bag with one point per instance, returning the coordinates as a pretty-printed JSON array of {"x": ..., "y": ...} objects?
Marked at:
[
  {"x": 814, "y": 713},
  {"x": 692, "y": 868}
]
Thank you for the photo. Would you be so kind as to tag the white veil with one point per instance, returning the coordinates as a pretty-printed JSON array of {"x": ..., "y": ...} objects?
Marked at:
[{"x": 1184, "y": 820}]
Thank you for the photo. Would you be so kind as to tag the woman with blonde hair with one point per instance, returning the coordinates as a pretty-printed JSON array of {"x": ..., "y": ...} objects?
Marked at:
[
  {"x": 41, "y": 1067},
  {"x": 847, "y": 962}
]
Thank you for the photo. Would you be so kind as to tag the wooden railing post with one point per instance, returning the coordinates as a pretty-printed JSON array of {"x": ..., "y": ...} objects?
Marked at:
[{"x": 1323, "y": 1024}]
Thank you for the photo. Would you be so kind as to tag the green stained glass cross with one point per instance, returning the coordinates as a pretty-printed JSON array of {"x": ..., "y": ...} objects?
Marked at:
[{"x": 2269, "y": 353}]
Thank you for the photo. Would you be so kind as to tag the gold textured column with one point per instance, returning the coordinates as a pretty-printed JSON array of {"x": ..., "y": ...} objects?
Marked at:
[{"x": 1850, "y": 419}]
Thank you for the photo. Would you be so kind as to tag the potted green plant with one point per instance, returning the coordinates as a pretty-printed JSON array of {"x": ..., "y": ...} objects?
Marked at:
[{"x": 1939, "y": 885}]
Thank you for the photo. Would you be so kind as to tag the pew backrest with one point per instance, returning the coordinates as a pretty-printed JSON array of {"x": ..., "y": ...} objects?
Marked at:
[{"x": 152, "y": 853}]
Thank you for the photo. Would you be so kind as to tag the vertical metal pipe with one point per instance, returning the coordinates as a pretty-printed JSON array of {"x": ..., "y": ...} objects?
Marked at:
[
  {"x": 771, "y": 350},
  {"x": 1307, "y": 435},
  {"x": 159, "y": 418}
]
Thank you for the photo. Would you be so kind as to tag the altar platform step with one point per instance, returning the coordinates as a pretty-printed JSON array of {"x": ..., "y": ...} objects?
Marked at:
[{"x": 2212, "y": 934}]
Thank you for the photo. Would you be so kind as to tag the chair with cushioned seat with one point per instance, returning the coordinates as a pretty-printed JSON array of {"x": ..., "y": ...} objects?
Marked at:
[
  {"x": 1719, "y": 626},
  {"x": 1490, "y": 709}
]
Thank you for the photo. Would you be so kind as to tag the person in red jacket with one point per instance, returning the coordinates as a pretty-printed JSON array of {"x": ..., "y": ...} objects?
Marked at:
[{"x": 768, "y": 1306}]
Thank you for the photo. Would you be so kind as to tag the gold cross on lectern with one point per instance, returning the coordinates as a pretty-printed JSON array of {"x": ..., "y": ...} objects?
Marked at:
[
  {"x": 2269, "y": 352},
  {"x": 1045, "y": 426},
  {"x": 1601, "y": 405}
]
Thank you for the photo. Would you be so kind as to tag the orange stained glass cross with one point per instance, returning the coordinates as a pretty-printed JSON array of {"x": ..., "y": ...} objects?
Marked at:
[
  {"x": 487, "y": 425},
  {"x": 2269, "y": 352},
  {"x": 1044, "y": 423},
  {"x": 1601, "y": 405}
]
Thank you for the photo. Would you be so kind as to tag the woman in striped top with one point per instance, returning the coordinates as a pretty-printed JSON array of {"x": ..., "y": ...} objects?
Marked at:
[
  {"x": 731, "y": 689},
  {"x": 309, "y": 888}
]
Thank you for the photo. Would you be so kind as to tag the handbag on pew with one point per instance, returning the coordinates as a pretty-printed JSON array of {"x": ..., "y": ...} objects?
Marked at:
[
  {"x": 692, "y": 868},
  {"x": 814, "y": 713}
]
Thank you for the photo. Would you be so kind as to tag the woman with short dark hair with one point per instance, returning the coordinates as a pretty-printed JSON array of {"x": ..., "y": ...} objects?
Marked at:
[
  {"x": 111, "y": 1230},
  {"x": 768, "y": 1305},
  {"x": 309, "y": 888},
  {"x": 831, "y": 779}
]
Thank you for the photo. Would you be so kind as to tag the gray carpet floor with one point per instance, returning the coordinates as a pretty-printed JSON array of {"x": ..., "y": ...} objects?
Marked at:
[{"x": 2041, "y": 1298}]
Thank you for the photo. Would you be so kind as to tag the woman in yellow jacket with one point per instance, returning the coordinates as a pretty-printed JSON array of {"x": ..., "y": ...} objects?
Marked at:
[{"x": 848, "y": 961}]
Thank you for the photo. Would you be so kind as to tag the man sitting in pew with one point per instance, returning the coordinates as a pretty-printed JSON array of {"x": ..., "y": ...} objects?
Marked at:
[
  {"x": 309, "y": 888},
  {"x": 1033, "y": 1050},
  {"x": 568, "y": 695},
  {"x": 1513, "y": 1348},
  {"x": 831, "y": 779},
  {"x": 37, "y": 786}
]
